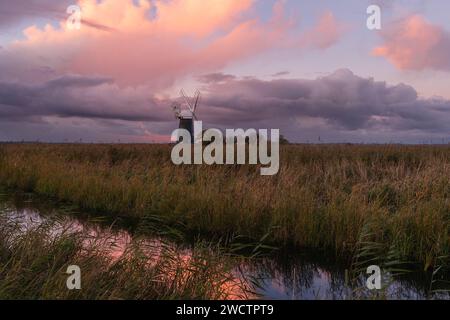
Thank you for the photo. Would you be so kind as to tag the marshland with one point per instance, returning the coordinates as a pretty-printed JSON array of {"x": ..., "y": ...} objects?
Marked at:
[{"x": 347, "y": 205}]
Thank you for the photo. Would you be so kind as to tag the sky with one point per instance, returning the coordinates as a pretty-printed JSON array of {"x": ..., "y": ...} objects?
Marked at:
[{"x": 309, "y": 68}]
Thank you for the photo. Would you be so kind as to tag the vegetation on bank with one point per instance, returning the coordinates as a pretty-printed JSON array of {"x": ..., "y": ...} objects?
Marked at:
[
  {"x": 34, "y": 264},
  {"x": 322, "y": 197}
]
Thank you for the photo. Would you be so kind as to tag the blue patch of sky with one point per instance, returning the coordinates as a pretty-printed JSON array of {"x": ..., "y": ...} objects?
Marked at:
[{"x": 353, "y": 50}]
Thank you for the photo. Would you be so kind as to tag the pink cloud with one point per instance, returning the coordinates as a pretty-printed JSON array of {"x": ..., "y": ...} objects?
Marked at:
[
  {"x": 415, "y": 44},
  {"x": 184, "y": 38},
  {"x": 200, "y": 18}
]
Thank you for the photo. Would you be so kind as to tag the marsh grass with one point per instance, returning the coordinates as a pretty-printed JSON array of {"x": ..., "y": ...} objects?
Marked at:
[
  {"x": 439, "y": 283},
  {"x": 371, "y": 251},
  {"x": 321, "y": 198},
  {"x": 33, "y": 264}
]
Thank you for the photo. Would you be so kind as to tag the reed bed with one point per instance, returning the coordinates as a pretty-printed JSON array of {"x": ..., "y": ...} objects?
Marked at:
[
  {"x": 34, "y": 263},
  {"x": 322, "y": 198}
]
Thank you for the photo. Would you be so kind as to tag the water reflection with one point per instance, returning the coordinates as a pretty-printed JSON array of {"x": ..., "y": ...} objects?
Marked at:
[
  {"x": 286, "y": 275},
  {"x": 294, "y": 277}
]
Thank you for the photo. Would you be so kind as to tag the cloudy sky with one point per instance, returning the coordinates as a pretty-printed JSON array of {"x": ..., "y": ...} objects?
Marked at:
[{"x": 309, "y": 68}]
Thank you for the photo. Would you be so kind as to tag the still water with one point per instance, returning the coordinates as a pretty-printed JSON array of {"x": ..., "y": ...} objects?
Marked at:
[{"x": 288, "y": 274}]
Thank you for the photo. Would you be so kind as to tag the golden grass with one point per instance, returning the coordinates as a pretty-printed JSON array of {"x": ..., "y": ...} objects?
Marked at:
[
  {"x": 321, "y": 198},
  {"x": 34, "y": 261}
]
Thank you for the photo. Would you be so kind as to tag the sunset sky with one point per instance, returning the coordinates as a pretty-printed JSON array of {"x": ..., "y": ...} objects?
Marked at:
[{"x": 309, "y": 68}]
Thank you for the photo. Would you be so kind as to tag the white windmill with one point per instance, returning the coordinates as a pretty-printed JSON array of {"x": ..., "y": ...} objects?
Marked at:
[{"x": 187, "y": 116}]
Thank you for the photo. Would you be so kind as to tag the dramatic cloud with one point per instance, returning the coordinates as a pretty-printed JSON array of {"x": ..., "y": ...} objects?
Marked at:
[
  {"x": 157, "y": 42},
  {"x": 83, "y": 97},
  {"x": 341, "y": 100},
  {"x": 74, "y": 107},
  {"x": 113, "y": 79},
  {"x": 338, "y": 104},
  {"x": 415, "y": 44}
]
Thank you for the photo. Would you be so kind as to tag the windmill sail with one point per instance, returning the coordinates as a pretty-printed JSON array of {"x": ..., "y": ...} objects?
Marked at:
[{"x": 188, "y": 115}]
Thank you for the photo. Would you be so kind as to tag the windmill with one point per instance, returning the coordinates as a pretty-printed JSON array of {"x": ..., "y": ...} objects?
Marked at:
[{"x": 187, "y": 116}]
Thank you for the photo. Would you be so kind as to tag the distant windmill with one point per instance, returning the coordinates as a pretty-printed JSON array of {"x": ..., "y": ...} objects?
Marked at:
[{"x": 188, "y": 116}]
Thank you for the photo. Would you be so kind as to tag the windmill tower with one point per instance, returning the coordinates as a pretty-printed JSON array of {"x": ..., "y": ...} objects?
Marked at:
[{"x": 187, "y": 116}]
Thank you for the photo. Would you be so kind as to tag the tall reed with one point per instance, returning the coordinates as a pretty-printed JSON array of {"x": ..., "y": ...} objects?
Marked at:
[
  {"x": 34, "y": 263},
  {"x": 321, "y": 198}
]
